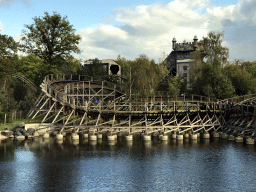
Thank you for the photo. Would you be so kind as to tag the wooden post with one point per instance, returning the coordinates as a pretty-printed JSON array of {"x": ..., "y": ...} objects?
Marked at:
[
  {"x": 129, "y": 124},
  {"x": 130, "y": 105},
  {"x": 146, "y": 123},
  {"x": 115, "y": 98},
  {"x": 102, "y": 88},
  {"x": 83, "y": 93},
  {"x": 161, "y": 104},
  {"x": 168, "y": 105},
  {"x": 4, "y": 118}
]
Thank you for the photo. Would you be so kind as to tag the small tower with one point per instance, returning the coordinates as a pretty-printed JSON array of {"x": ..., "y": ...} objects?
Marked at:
[
  {"x": 195, "y": 42},
  {"x": 174, "y": 43}
]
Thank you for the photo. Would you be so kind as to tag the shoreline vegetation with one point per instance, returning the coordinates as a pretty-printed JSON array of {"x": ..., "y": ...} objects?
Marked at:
[{"x": 21, "y": 76}]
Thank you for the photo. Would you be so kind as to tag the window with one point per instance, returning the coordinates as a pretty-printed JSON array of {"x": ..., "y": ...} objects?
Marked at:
[{"x": 185, "y": 68}]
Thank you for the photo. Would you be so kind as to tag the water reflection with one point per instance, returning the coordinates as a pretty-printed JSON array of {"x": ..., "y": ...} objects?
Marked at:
[{"x": 120, "y": 165}]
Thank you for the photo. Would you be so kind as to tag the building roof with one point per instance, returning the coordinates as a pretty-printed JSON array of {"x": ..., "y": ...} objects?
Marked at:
[
  {"x": 184, "y": 46},
  {"x": 109, "y": 61}
]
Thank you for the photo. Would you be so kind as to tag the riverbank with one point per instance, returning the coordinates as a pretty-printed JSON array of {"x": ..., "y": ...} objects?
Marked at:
[{"x": 15, "y": 123}]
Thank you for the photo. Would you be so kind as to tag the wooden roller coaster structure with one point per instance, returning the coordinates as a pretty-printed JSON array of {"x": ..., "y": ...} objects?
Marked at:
[{"x": 81, "y": 104}]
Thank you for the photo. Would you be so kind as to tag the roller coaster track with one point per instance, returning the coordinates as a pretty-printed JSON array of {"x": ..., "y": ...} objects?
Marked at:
[{"x": 80, "y": 103}]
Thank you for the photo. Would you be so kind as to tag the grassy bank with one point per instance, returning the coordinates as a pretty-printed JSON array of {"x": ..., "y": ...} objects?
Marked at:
[{"x": 14, "y": 123}]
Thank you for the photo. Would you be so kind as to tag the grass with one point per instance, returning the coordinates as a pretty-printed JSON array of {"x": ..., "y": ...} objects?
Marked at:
[{"x": 14, "y": 123}]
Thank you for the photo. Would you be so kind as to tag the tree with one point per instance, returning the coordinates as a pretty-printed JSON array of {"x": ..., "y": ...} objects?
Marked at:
[
  {"x": 243, "y": 81},
  {"x": 33, "y": 68},
  {"x": 95, "y": 69},
  {"x": 211, "y": 49},
  {"x": 206, "y": 77},
  {"x": 142, "y": 75},
  {"x": 171, "y": 85},
  {"x": 50, "y": 37},
  {"x": 8, "y": 46},
  {"x": 8, "y": 49}
]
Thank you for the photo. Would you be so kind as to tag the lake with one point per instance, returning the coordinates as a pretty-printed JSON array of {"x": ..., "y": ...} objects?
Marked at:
[{"x": 201, "y": 165}]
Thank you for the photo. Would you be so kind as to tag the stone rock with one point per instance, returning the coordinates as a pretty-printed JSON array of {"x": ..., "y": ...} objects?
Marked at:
[
  {"x": 23, "y": 131},
  {"x": 7, "y": 133},
  {"x": 30, "y": 131},
  {"x": 17, "y": 129},
  {"x": 17, "y": 133},
  {"x": 21, "y": 125}
]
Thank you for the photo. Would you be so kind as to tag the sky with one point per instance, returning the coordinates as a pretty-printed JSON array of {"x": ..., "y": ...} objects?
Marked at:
[{"x": 134, "y": 27}]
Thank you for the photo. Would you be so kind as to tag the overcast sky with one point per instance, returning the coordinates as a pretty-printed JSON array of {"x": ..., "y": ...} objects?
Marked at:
[{"x": 133, "y": 27}]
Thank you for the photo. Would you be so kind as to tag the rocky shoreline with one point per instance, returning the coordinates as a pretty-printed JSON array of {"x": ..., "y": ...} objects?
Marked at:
[{"x": 18, "y": 132}]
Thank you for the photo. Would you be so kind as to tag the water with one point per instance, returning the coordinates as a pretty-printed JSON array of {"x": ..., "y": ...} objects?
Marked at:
[{"x": 45, "y": 165}]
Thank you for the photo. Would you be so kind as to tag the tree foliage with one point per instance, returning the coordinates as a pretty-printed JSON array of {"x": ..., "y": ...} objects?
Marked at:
[
  {"x": 50, "y": 38},
  {"x": 142, "y": 75},
  {"x": 95, "y": 69},
  {"x": 8, "y": 46},
  {"x": 242, "y": 77},
  {"x": 211, "y": 49},
  {"x": 8, "y": 50},
  {"x": 206, "y": 77}
]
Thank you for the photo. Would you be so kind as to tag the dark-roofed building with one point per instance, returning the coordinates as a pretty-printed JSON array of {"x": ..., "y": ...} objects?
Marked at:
[
  {"x": 178, "y": 60},
  {"x": 109, "y": 65}
]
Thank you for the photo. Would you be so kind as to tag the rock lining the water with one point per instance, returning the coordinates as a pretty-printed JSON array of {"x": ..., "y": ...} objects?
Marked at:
[{"x": 19, "y": 130}]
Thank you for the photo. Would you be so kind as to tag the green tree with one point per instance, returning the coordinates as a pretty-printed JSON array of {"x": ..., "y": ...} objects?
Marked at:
[
  {"x": 7, "y": 101},
  {"x": 33, "y": 68},
  {"x": 95, "y": 69},
  {"x": 206, "y": 77},
  {"x": 243, "y": 81},
  {"x": 250, "y": 67},
  {"x": 50, "y": 37},
  {"x": 170, "y": 85},
  {"x": 8, "y": 50},
  {"x": 8, "y": 46},
  {"x": 211, "y": 49},
  {"x": 142, "y": 76}
]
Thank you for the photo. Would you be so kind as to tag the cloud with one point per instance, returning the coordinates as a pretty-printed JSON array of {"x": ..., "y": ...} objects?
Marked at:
[
  {"x": 149, "y": 29},
  {"x": 9, "y": 3},
  {"x": 145, "y": 30}
]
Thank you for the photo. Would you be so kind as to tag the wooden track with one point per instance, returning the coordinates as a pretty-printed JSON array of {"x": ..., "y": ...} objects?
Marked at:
[{"x": 70, "y": 104}]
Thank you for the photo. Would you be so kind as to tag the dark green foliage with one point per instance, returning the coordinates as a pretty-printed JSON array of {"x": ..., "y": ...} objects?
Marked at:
[
  {"x": 7, "y": 101},
  {"x": 8, "y": 47},
  {"x": 142, "y": 75},
  {"x": 206, "y": 77},
  {"x": 96, "y": 69},
  {"x": 242, "y": 78},
  {"x": 213, "y": 83},
  {"x": 172, "y": 86},
  {"x": 20, "y": 91},
  {"x": 50, "y": 38}
]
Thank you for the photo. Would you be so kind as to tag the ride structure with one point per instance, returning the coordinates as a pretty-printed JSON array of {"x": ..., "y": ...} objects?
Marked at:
[{"x": 75, "y": 103}]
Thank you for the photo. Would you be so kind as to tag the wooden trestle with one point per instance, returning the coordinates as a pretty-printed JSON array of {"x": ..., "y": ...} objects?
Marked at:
[
  {"x": 79, "y": 103},
  {"x": 241, "y": 113}
]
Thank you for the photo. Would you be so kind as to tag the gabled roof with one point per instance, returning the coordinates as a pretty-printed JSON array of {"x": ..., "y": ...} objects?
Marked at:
[{"x": 109, "y": 61}]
